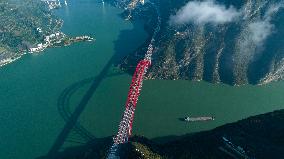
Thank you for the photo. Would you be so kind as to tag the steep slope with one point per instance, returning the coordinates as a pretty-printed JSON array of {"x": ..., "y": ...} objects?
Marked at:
[{"x": 247, "y": 49}]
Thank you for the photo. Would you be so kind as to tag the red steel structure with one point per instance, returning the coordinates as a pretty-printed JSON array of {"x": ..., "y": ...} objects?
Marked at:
[{"x": 125, "y": 126}]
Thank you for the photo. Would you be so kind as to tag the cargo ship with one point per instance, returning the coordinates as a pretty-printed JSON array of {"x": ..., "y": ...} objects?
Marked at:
[{"x": 195, "y": 119}]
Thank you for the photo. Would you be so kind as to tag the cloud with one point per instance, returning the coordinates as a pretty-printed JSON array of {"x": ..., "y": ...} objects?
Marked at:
[
  {"x": 254, "y": 33},
  {"x": 261, "y": 29},
  {"x": 204, "y": 12}
]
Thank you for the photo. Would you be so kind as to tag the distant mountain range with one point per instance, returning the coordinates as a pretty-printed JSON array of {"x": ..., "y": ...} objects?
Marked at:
[{"x": 234, "y": 42}]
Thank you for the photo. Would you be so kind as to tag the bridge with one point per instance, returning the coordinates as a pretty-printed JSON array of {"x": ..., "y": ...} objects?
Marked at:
[{"x": 125, "y": 126}]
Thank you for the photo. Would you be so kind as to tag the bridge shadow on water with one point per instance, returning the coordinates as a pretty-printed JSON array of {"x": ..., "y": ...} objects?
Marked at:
[
  {"x": 71, "y": 119},
  {"x": 87, "y": 141}
]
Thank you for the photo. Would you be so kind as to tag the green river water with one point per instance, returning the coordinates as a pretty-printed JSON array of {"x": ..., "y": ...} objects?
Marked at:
[{"x": 37, "y": 90}]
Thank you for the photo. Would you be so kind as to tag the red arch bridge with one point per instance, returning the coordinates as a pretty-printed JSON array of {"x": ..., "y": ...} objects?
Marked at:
[{"x": 125, "y": 126}]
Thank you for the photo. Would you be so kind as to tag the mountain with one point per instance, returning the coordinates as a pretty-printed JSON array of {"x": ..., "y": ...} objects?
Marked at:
[{"x": 234, "y": 42}]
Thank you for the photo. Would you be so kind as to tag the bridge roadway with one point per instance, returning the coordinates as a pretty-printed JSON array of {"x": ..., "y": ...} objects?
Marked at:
[{"x": 125, "y": 126}]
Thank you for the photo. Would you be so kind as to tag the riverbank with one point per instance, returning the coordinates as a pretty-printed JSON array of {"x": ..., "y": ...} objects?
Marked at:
[
  {"x": 58, "y": 39},
  {"x": 38, "y": 29},
  {"x": 64, "y": 41},
  {"x": 9, "y": 60}
]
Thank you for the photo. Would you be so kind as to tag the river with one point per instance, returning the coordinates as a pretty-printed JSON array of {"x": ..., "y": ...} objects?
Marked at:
[{"x": 38, "y": 91}]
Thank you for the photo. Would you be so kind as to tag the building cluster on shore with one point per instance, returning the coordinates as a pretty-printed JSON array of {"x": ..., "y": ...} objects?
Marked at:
[
  {"x": 84, "y": 38},
  {"x": 132, "y": 5},
  {"x": 233, "y": 150},
  {"x": 48, "y": 41},
  {"x": 7, "y": 61},
  {"x": 58, "y": 39},
  {"x": 52, "y": 4}
]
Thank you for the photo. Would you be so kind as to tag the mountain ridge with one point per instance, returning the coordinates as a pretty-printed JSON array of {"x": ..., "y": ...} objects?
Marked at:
[{"x": 233, "y": 53}]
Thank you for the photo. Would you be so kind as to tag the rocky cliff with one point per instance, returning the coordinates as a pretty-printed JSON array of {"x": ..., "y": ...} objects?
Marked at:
[{"x": 234, "y": 42}]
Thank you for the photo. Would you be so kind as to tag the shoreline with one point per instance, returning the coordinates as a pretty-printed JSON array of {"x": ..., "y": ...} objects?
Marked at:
[
  {"x": 7, "y": 61},
  {"x": 72, "y": 40},
  {"x": 53, "y": 40}
]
